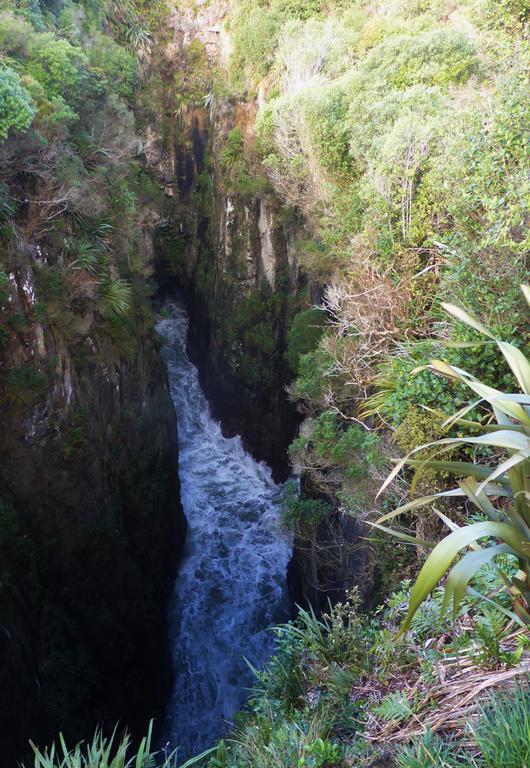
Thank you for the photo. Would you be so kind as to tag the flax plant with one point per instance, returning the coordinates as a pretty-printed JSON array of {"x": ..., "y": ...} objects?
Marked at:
[
  {"x": 500, "y": 490},
  {"x": 111, "y": 752}
]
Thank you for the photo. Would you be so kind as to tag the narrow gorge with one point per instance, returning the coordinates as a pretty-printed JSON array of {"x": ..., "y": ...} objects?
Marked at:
[
  {"x": 231, "y": 587},
  {"x": 264, "y": 384}
]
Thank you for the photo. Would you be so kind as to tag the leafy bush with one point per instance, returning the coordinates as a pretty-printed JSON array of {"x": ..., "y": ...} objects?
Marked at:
[
  {"x": 62, "y": 68},
  {"x": 305, "y": 331},
  {"x": 333, "y": 445},
  {"x": 23, "y": 385},
  {"x": 306, "y": 511},
  {"x": 296, "y": 9},
  {"x": 397, "y": 387},
  {"x": 16, "y": 108},
  {"x": 115, "y": 67},
  {"x": 232, "y": 152},
  {"x": 254, "y": 34},
  {"x": 16, "y": 35},
  {"x": 326, "y": 118},
  {"x": 437, "y": 57}
]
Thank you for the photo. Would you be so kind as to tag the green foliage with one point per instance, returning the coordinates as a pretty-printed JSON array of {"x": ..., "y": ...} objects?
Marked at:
[
  {"x": 506, "y": 427},
  {"x": 402, "y": 138},
  {"x": 398, "y": 388},
  {"x": 296, "y": 9},
  {"x": 255, "y": 29},
  {"x": 114, "y": 66},
  {"x": 85, "y": 253},
  {"x": 311, "y": 701},
  {"x": 254, "y": 36},
  {"x": 18, "y": 322},
  {"x": 321, "y": 754},
  {"x": 502, "y": 734},
  {"x": 24, "y": 385},
  {"x": 5, "y": 287},
  {"x": 503, "y": 729},
  {"x": 305, "y": 511},
  {"x": 75, "y": 436},
  {"x": 436, "y": 57},
  {"x": 61, "y": 68},
  {"x": 330, "y": 130},
  {"x": 16, "y": 108},
  {"x": 429, "y": 752},
  {"x": 116, "y": 296},
  {"x": 332, "y": 444},
  {"x": 395, "y": 707},
  {"x": 304, "y": 334},
  {"x": 232, "y": 152},
  {"x": 111, "y": 752}
]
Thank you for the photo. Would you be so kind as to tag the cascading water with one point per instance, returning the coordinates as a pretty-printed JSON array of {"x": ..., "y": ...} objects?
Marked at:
[{"x": 231, "y": 584}]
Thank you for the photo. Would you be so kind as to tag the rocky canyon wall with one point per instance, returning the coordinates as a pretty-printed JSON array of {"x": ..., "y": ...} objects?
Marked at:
[{"x": 230, "y": 244}]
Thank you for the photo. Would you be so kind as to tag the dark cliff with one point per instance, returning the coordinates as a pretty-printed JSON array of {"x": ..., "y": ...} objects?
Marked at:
[{"x": 91, "y": 523}]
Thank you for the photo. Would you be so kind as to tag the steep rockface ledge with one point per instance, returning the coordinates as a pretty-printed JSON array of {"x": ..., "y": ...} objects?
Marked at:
[
  {"x": 329, "y": 559},
  {"x": 228, "y": 241},
  {"x": 233, "y": 255},
  {"x": 91, "y": 523}
]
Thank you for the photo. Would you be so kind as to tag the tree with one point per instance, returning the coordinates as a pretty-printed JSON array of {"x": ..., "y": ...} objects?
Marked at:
[{"x": 16, "y": 108}]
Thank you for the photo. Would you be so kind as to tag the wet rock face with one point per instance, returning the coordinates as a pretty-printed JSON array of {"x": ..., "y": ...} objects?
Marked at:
[
  {"x": 90, "y": 528},
  {"x": 233, "y": 255},
  {"x": 329, "y": 560},
  {"x": 240, "y": 322}
]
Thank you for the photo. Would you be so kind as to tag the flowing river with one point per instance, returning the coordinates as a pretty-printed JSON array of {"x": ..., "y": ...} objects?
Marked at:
[{"x": 231, "y": 585}]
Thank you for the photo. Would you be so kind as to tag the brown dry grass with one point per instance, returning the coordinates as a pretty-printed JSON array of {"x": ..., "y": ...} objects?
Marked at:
[{"x": 447, "y": 704}]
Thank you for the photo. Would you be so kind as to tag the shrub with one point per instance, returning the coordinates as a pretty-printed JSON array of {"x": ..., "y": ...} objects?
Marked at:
[
  {"x": 304, "y": 334},
  {"x": 329, "y": 443},
  {"x": 16, "y": 108},
  {"x": 23, "y": 385},
  {"x": 296, "y": 9},
  {"x": 113, "y": 65},
  {"x": 62, "y": 68},
  {"x": 326, "y": 119},
  {"x": 16, "y": 34},
  {"x": 398, "y": 388},
  {"x": 437, "y": 57},
  {"x": 232, "y": 152},
  {"x": 305, "y": 511},
  {"x": 254, "y": 34}
]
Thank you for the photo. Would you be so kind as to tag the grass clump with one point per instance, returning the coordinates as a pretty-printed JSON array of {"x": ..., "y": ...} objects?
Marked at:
[{"x": 113, "y": 752}]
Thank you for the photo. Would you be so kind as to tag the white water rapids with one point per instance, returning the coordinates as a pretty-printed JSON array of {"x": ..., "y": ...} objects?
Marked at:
[{"x": 231, "y": 584}]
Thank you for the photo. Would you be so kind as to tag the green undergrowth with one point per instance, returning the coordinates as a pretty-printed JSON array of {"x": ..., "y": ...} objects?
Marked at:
[
  {"x": 108, "y": 752},
  {"x": 398, "y": 132},
  {"x": 70, "y": 73},
  {"x": 333, "y": 682}
]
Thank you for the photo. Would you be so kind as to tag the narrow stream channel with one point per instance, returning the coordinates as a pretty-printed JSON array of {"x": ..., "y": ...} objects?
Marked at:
[{"x": 231, "y": 585}]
